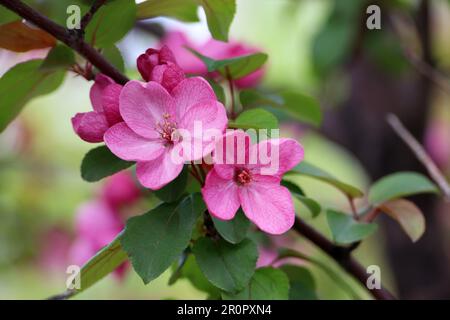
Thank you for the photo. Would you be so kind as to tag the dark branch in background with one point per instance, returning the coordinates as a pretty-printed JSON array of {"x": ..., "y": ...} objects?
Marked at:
[
  {"x": 90, "y": 14},
  {"x": 421, "y": 154},
  {"x": 71, "y": 39},
  {"x": 437, "y": 77},
  {"x": 342, "y": 255}
]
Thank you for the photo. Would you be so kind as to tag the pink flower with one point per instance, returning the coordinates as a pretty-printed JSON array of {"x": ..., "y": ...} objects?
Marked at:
[
  {"x": 254, "y": 185},
  {"x": 155, "y": 125},
  {"x": 97, "y": 224},
  {"x": 218, "y": 50},
  {"x": 104, "y": 95},
  {"x": 120, "y": 189},
  {"x": 160, "y": 66}
]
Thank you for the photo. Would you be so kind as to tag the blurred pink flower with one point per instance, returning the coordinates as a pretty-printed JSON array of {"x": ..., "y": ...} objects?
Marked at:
[
  {"x": 55, "y": 244},
  {"x": 264, "y": 201},
  {"x": 437, "y": 142},
  {"x": 104, "y": 95},
  {"x": 120, "y": 189},
  {"x": 218, "y": 50},
  {"x": 152, "y": 120},
  {"x": 160, "y": 66},
  {"x": 98, "y": 222},
  {"x": 9, "y": 59}
]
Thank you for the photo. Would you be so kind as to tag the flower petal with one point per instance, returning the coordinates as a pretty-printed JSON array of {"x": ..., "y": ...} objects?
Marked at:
[
  {"x": 96, "y": 92},
  {"x": 268, "y": 205},
  {"x": 202, "y": 126},
  {"x": 90, "y": 126},
  {"x": 127, "y": 145},
  {"x": 110, "y": 103},
  {"x": 277, "y": 156},
  {"x": 191, "y": 91},
  {"x": 143, "y": 106},
  {"x": 231, "y": 151},
  {"x": 221, "y": 196},
  {"x": 157, "y": 173}
]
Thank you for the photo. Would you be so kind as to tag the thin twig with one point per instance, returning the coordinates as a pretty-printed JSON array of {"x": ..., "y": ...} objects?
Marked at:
[
  {"x": 71, "y": 39},
  {"x": 421, "y": 154},
  {"x": 424, "y": 68},
  {"x": 90, "y": 14}
]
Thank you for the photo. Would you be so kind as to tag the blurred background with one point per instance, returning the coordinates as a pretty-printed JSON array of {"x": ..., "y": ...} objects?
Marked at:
[{"x": 319, "y": 47}]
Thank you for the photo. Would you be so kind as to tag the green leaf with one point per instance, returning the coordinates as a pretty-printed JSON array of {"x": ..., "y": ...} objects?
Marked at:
[
  {"x": 113, "y": 55},
  {"x": 235, "y": 68},
  {"x": 175, "y": 189},
  {"x": 100, "y": 163},
  {"x": 22, "y": 83},
  {"x": 7, "y": 15},
  {"x": 235, "y": 230},
  {"x": 153, "y": 241},
  {"x": 301, "y": 107},
  {"x": 301, "y": 281},
  {"x": 266, "y": 284},
  {"x": 408, "y": 215},
  {"x": 310, "y": 170},
  {"x": 60, "y": 57},
  {"x": 227, "y": 266},
  {"x": 192, "y": 272},
  {"x": 346, "y": 230},
  {"x": 255, "y": 119},
  {"x": 312, "y": 205},
  {"x": 218, "y": 90},
  {"x": 111, "y": 23},
  {"x": 398, "y": 185},
  {"x": 100, "y": 265},
  {"x": 219, "y": 15},
  {"x": 183, "y": 10},
  {"x": 103, "y": 263}
]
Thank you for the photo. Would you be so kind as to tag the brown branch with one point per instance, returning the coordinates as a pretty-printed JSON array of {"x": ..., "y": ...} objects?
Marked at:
[
  {"x": 90, "y": 14},
  {"x": 421, "y": 154},
  {"x": 342, "y": 256},
  {"x": 71, "y": 39}
]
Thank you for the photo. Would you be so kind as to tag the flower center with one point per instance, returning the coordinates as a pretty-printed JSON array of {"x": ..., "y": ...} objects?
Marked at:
[
  {"x": 167, "y": 129},
  {"x": 243, "y": 177}
]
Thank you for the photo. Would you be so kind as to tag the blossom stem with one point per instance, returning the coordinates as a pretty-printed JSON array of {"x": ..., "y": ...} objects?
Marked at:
[
  {"x": 351, "y": 200},
  {"x": 72, "y": 39},
  {"x": 232, "y": 94},
  {"x": 195, "y": 174}
]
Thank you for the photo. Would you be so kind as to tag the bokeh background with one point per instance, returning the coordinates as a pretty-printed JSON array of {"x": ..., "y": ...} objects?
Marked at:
[{"x": 319, "y": 47}]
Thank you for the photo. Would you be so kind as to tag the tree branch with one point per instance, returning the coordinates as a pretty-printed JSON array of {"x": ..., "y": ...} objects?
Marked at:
[
  {"x": 71, "y": 39},
  {"x": 421, "y": 154},
  {"x": 342, "y": 256},
  {"x": 90, "y": 14}
]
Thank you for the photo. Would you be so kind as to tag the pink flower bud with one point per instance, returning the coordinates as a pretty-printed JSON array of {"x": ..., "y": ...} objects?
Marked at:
[{"x": 160, "y": 66}]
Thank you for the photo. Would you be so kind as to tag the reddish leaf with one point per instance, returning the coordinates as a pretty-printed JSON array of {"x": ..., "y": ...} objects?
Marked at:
[
  {"x": 18, "y": 36},
  {"x": 408, "y": 215}
]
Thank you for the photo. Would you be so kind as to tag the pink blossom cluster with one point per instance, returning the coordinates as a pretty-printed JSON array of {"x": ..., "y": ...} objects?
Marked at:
[
  {"x": 154, "y": 122},
  {"x": 100, "y": 220}
]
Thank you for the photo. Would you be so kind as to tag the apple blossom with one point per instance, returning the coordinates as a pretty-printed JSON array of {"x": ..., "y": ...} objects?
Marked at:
[
  {"x": 160, "y": 66},
  {"x": 104, "y": 95},
  {"x": 218, "y": 50},
  {"x": 248, "y": 184},
  {"x": 160, "y": 126}
]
